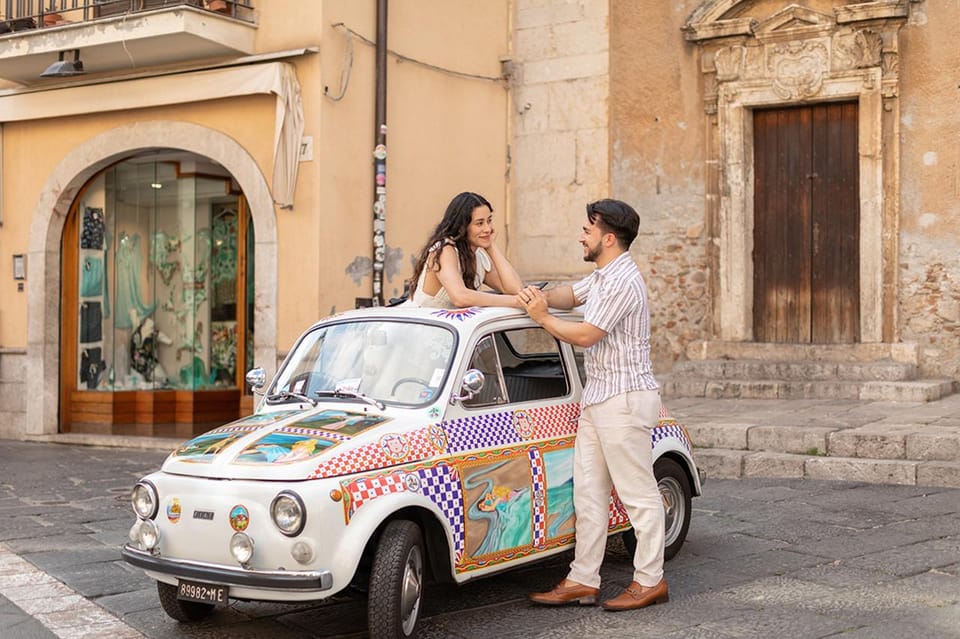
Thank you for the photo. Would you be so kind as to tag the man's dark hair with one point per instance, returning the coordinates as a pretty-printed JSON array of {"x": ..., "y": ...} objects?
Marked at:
[{"x": 614, "y": 216}]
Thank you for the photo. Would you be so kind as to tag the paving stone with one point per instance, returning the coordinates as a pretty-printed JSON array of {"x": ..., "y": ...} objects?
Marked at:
[
  {"x": 934, "y": 443},
  {"x": 727, "y": 436},
  {"x": 864, "y": 443}
]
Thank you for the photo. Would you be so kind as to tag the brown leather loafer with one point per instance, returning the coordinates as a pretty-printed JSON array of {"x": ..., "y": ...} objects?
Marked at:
[
  {"x": 567, "y": 592},
  {"x": 636, "y": 596}
]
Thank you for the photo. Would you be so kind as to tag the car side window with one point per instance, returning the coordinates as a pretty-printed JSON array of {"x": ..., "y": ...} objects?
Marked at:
[
  {"x": 532, "y": 366},
  {"x": 486, "y": 361}
]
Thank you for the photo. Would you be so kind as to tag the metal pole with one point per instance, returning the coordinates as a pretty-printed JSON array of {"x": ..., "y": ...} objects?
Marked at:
[{"x": 380, "y": 157}]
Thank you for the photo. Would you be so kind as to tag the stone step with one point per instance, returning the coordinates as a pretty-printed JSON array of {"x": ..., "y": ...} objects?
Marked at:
[
  {"x": 733, "y": 464},
  {"x": 795, "y": 371},
  {"x": 877, "y": 441},
  {"x": 923, "y": 390},
  {"x": 875, "y": 352}
]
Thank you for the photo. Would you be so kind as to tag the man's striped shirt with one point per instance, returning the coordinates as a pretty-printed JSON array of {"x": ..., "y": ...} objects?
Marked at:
[{"x": 615, "y": 301}]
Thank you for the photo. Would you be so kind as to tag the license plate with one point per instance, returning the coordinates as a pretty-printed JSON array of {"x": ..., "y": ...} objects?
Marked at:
[{"x": 204, "y": 593}]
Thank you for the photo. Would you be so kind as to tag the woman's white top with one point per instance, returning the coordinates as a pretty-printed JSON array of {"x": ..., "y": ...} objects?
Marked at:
[{"x": 441, "y": 299}]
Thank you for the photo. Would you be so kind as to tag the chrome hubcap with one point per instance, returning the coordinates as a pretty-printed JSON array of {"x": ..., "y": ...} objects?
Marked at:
[
  {"x": 673, "y": 508},
  {"x": 410, "y": 590}
]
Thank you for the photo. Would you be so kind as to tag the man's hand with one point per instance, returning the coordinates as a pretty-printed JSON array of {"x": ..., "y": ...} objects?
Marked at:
[{"x": 534, "y": 302}]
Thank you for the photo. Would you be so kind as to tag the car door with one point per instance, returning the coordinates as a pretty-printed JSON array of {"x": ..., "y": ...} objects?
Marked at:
[{"x": 512, "y": 444}]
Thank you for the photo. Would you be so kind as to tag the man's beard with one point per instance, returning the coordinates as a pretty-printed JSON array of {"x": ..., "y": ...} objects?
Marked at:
[{"x": 592, "y": 254}]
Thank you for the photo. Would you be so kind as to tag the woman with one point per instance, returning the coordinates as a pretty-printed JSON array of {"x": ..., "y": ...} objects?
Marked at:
[{"x": 460, "y": 256}]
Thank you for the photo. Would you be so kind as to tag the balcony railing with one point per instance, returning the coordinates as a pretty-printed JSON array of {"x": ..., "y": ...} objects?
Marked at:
[{"x": 22, "y": 15}]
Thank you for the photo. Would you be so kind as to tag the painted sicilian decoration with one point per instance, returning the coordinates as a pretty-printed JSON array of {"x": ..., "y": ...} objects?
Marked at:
[
  {"x": 539, "y": 484},
  {"x": 239, "y": 518},
  {"x": 670, "y": 428},
  {"x": 458, "y": 314},
  {"x": 343, "y": 422},
  {"x": 438, "y": 482},
  {"x": 395, "y": 446},
  {"x": 617, "y": 513},
  {"x": 174, "y": 510},
  {"x": 501, "y": 429},
  {"x": 524, "y": 425},
  {"x": 558, "y": 467},
  {"x": 204, "y": 448},
  {"x": 438, "y": 437},
  {"x": 281, "y": 447}
]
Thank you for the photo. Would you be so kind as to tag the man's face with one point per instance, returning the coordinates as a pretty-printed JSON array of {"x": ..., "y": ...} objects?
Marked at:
[{"x": 591, "y": 237}]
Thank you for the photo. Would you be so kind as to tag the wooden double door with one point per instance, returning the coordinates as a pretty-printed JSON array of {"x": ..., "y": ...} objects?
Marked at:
[{"x": 806, "y": 237}]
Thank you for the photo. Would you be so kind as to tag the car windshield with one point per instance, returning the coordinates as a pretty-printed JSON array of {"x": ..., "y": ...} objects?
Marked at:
[{"x": 390, "y": 361}]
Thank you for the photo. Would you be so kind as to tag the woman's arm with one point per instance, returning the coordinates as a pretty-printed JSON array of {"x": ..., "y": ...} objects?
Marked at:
[
  {"x": 452, "y": 281},
  {"x": 502, "y": 277}
]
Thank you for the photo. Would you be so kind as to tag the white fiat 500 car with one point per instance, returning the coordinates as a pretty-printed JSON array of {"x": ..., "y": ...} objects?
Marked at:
[{"x": 392, "y": 445}]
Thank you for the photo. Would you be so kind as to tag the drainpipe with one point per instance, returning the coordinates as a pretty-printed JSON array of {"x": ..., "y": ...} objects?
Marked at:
[{"x": 380, "y": 157}]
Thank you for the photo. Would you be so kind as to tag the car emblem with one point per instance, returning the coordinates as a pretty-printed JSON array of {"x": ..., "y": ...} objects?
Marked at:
[
  {"x": 173, "y": 511},
  {"x": 412, "y": 482},
  {"x": 239, "y": 518},
  {"x": 523, "y": 423},
  {"x": 394, "y": 446},
  {"x": 206, "y": 515}
]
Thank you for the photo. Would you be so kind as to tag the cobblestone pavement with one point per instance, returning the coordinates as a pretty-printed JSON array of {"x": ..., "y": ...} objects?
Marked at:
[{"x": 764, "y": 558}]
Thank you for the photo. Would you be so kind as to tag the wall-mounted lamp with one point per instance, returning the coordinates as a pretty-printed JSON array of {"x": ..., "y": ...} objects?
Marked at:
[{"x": 65, "y": 68}]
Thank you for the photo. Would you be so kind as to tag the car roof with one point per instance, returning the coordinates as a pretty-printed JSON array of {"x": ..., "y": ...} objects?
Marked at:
[{"x": 461, "y": 319}]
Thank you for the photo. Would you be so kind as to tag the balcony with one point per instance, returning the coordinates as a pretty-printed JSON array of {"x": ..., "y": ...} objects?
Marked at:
[{"x": 120, "y": 35}]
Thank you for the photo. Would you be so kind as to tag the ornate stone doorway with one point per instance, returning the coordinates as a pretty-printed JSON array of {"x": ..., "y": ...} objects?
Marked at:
[{"x": 754, "y": 59}]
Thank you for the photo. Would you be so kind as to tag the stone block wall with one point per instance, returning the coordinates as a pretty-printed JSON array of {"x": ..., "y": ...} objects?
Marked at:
[{"x": 14, "y": 389}]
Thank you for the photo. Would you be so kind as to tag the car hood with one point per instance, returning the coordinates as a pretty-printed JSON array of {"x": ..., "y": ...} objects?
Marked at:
[{"x": 295, "y": 445}]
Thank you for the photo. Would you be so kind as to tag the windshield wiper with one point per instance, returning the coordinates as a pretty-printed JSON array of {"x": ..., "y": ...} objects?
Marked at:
[
  {"x": 347, "y": 394},
  {"x": 285, "y": 395}
]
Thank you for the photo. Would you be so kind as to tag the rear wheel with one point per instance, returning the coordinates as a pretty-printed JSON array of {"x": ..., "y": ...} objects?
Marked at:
[
  {"x": 179, "y": 609},
  {"x": 396, "y": 582},
  {"x": 675, "y": 491}
]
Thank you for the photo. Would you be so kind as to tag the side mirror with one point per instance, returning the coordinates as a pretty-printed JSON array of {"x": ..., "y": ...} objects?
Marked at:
[
  {"x": 470, "y": 385},
  {"x": 257, "y": 378}
]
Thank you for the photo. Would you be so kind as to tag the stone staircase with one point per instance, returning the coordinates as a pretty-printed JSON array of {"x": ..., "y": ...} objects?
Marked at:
[{"x": 748, "y": 370}]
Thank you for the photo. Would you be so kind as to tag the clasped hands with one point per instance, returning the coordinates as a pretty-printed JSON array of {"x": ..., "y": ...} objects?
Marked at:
[{"x": 534, "y": 302}]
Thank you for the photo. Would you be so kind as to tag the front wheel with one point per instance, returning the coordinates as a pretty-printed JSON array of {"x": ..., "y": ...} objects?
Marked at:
[
  {"x": 396, "y": 582},
  {"x": 179, "y": 609},
  {"x": 675, "y": 491}
]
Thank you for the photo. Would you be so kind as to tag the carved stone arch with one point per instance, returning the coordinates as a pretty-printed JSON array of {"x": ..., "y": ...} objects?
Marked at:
[
  {"x": 49, "y": 217},
  {"x": 792, "y": 56}
]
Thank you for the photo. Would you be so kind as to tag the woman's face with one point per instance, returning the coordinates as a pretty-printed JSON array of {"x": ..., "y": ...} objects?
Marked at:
[{"x": 480, "y": 231}]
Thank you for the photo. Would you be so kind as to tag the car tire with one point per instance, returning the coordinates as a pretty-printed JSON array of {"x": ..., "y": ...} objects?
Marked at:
[
  {"x": 675, "y": 491},
  {"x": 179, "y": 609},
  {"x": 396, "y": 582}
]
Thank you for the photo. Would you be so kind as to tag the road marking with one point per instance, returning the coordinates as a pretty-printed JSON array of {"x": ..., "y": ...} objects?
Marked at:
[{"x": 59, "y": 608}]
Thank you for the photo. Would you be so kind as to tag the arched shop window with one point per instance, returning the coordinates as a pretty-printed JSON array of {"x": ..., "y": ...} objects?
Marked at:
[{"x": 158, "y": 296}]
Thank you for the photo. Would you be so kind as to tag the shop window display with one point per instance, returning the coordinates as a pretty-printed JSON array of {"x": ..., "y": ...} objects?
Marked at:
[{"x": 158, "y": 280}]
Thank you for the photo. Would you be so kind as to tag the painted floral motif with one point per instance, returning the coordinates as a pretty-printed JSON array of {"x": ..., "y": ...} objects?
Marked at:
[{"x": 456, "y": 313}]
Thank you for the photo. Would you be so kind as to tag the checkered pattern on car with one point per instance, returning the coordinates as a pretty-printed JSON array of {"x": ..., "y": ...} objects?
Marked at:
[
  {"x": 538, "y": 474},
  {"x": 367, "y": 489},
  {"x": 481, "y": 431},
  {"x": 441, "y": 484},
  {"x": 670, "y": 428},
  {"x": 313, "y": 432},
  {"x": 372, "y": 456},
  {"x": 555, "y": 421},
  {"x": 618, "y": 514}
]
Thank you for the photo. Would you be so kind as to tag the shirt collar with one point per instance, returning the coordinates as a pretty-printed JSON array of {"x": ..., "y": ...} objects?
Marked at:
[{"x": 613, "y": 266}]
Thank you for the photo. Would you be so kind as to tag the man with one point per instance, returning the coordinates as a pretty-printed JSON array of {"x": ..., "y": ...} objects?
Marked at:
[{"x": 619, "y": 408}]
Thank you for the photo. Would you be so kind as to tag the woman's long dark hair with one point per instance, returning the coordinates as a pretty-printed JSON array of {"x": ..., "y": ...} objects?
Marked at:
[{"x": 452, "y": 229}]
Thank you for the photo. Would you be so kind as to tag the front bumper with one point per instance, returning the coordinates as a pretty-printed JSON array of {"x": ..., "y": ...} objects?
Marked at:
[{"x": 297, "y": 580}]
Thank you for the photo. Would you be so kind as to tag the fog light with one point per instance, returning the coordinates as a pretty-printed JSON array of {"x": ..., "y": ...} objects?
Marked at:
[
  {"x": 149, "y": 534},
  {"x": 302, "y": 552},
  {"x": 134, "y": 533},
  {"x": 241, "y": 547}
]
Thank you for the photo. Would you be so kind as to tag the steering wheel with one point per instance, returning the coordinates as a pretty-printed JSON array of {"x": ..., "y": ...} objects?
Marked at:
[{"x": 409, "y": 380}]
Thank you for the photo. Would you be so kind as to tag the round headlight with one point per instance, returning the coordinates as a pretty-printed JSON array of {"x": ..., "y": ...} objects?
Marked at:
[
  {"x": 241, "y": 547},
  {"x": 148, "y": 534},
  {"x": 144, "y": 499},
  {"x": 288, "y": 513}
]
